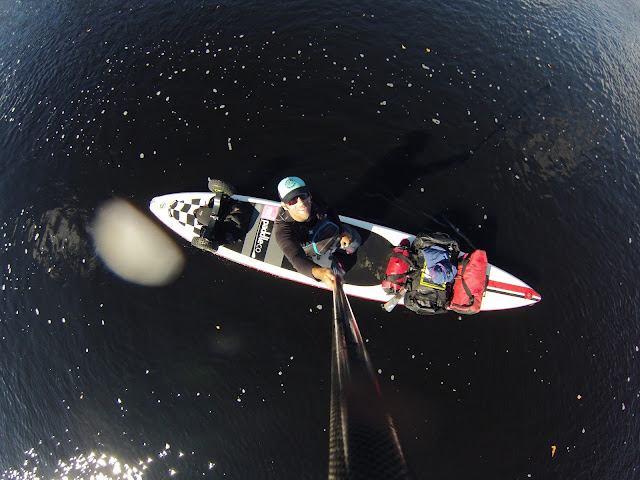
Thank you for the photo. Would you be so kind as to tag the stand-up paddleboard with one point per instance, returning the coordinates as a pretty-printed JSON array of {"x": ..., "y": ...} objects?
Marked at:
[{"x": 259, "y": 250}]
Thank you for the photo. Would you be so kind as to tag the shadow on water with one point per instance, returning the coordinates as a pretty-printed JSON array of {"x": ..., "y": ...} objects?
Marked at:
[
  {"x": 388, "y": 177},
  {"x": 417, "y": 156},
  {"x": 531, "y": 97}
]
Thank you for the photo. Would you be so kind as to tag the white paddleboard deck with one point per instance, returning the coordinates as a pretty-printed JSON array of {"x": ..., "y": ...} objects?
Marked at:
[{"x": 260, "y": 251}]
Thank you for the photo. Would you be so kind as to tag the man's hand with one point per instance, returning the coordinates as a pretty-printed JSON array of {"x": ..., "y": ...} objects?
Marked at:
[
  {"x": 325, "y": 276},
  {"x": 345, "y": 239}
]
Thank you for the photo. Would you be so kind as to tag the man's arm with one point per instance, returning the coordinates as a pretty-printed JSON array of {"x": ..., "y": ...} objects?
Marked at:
[
  {"x": 290, "y": 246},
  {"x": 292, "y": 249}
]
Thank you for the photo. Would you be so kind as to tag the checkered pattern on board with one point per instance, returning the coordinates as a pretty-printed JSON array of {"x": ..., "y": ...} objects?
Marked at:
[{"x": 184, "y": 212}]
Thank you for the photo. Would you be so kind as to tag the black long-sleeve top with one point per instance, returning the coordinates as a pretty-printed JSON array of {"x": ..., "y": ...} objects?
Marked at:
[{"x": 291, "y": 235}]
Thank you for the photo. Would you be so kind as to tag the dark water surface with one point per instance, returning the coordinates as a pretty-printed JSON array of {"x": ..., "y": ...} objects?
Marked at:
[{"x": 516, "y": 122}]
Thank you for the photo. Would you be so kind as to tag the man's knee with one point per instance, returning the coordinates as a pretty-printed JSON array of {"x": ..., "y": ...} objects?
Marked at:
[{"x": 355, "y": 238}]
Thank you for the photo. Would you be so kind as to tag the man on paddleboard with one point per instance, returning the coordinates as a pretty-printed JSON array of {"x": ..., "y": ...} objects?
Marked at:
[{"x": 310, "y": 233}]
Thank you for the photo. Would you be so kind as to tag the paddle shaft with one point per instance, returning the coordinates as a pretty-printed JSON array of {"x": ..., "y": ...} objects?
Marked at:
[{"x": 363, "y": 443}]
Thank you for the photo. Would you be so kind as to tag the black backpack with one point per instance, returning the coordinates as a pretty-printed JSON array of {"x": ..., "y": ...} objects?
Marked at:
[{"x": 423, "y": 296}]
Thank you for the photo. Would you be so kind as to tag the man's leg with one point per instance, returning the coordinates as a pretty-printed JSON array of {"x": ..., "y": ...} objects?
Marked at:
[
  {"x": 355, "y": 239},
  {"x": 338, "y": 259},
  {"x": 343, "y": 259}
]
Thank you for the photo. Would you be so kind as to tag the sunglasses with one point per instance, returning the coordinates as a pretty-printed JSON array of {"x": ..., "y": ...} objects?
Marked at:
[{"x": 294, "y": 200}]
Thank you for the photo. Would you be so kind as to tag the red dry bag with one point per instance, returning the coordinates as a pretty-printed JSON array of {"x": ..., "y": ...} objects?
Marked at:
[
  {"x": 470, "y": 283},
  {"x": 398, "y": 268}
]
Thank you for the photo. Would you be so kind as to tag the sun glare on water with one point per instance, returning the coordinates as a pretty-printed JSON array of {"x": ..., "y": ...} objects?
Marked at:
[
  {"x": 94, "y": 466},
  {"x": 102, "y": 466}
]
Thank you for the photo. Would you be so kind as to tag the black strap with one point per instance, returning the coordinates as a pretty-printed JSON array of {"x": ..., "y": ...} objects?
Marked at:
[
  {"x": 465, "y": 263},
  {"x": 213, "y": 217},
  {"x": 395, "y": 276},
  {"x": 468, "y": 292},
  {"x": 413, "y": 265}
]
